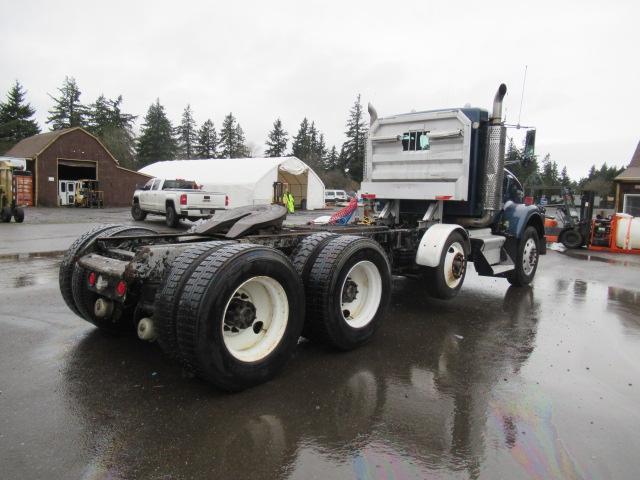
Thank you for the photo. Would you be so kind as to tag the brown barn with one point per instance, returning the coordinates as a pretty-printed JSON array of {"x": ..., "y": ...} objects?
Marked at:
[
  {"x": 628, "y": 187},
  {"x": 73, "y": 154}
]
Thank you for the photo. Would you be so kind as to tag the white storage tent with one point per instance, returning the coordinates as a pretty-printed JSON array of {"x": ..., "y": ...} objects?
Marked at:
[{"x": 247, "y": 181}]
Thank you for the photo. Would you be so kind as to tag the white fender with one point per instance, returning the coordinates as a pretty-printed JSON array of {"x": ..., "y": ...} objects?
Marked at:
[{"x": 432, "y": 243}]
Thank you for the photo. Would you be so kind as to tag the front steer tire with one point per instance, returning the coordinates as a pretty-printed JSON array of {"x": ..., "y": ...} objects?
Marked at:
[
  {"x": 571, "y": 239},
  {"x": 526, "y": 257},
  {"x": 137, "y": 213},
  {"x": 203, "y": 331},
  {"x": 5, "y": 215},
  {"x": 329, "y": 297}
]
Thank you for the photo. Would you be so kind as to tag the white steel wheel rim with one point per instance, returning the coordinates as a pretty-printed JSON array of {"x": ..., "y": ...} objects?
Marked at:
[
  {"x": 450, "y": 277},
  {"x": 529, "y": 256},
  {"x": 360, "y": 310},
  {"x": 267, "y": 329}
]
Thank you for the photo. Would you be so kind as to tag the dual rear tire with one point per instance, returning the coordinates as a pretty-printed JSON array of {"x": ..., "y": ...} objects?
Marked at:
[
  {"x": 233, "y": 313},
  {"x": 348, "y": 286},
  {"x": 239, "y": 314}
]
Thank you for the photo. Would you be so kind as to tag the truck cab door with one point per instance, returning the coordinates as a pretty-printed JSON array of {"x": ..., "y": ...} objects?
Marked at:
[
  {"x": 144, "y": 197},
  {"x": 156, "y": 196}
]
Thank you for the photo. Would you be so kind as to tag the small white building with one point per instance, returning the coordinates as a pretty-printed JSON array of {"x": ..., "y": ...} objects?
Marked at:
[{"x": 248, "y": 181}]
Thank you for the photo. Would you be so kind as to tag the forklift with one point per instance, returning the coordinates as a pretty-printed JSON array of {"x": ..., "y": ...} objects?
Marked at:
[
  {"x": 575, "y": 231},
  {"x": 88, "y": 194},
  {"x": 8, "y": 205}
]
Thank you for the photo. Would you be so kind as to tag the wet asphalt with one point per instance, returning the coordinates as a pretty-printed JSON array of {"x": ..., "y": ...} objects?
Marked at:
[{"x": 540, "y": 382}]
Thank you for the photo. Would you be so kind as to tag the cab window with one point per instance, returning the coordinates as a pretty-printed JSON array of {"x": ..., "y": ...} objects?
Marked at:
[
  {"x": 415, "y": 141},
  {"x": 156, "y": 184}
]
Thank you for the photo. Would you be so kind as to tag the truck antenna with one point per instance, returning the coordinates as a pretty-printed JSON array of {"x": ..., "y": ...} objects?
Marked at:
[{"x": 524, "y": 81}]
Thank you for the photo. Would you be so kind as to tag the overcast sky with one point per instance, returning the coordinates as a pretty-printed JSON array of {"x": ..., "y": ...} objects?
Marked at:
[{"x": 265, "y": 59}]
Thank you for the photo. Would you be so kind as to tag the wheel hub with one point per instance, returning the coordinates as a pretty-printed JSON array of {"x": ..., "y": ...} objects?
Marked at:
[
  {"x": 458, "y": 265},
  {"x": 350, "y": 291},
  {"x": 240, "y": 315}
]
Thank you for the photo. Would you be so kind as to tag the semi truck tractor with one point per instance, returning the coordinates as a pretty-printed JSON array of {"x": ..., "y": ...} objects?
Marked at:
[{"x": 230, "y": 298}]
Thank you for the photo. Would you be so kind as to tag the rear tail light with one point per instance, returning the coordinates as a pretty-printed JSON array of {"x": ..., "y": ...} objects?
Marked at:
[
  {"x": 121, "y": 288},
  {"x": 226, "y": 200},
  {"x": 183, "y": 199},
  {"x": 92, "y": 279}
]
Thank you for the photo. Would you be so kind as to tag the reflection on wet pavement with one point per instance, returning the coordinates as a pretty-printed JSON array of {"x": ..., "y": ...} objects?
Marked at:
[
  {"x": 500, "y": 383},
  {"x": 28, "y": 271}
]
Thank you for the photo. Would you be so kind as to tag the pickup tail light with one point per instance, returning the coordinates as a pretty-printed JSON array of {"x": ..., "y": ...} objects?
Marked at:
[
  {"x": 183, "y": 199},
  {"x": 226, "y": 200}
]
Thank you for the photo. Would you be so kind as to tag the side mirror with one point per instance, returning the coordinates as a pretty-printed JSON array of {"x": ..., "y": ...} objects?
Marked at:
[{"x": 530, "y": 144}]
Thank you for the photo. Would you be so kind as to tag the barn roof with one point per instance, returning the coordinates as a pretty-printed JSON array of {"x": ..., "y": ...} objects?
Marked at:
[
  {"x": 32, "y": 146},
  {"x": 633, "y": 170}
]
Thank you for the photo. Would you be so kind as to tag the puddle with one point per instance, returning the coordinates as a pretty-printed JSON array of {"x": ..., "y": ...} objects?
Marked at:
[
  {"x": 595, "y": 258},
  {"x": 27, "y": 256},
  {"x": 28, "y": 271}
]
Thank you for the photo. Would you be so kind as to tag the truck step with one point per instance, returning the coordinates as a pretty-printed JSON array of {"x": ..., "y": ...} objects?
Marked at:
[
  {"x": 486, "y": 244},
  {"x": 503, "y": 267}
]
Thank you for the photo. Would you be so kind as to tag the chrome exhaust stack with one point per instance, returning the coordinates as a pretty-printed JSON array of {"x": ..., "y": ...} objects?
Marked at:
[
  {"x": 373, "y": 114},
  {"x": 494, "y": 165}
]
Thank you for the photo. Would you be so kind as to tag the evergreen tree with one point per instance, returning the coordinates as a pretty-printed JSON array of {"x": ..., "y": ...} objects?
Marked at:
[
  {"x": 277, "y": 140},
  {"x": 187, "y": 135},
  {"x": 321, "y": 148},
  {"x": 331, "y": 161},
  {"x": 353, "y": 149},
  {"x": 242, "y": 150},
  {"x": 67, "y": 110},
  {"x": 156, "y": 140},
  {"x": 15, "y": 118},
  {"x": 105, "y": 113},
  {"x": 300, "y": 143},
  {"x": 564, "y": 178},
  {"x": 309, "y": 146},
  {"x": 114, "y": 128},
  {"x": 232, "y": 141},
  {"x": 207, "y": 143}
]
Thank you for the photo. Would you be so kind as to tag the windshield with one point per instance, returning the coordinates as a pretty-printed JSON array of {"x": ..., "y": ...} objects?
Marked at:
[{"x": 179, "y": 184}]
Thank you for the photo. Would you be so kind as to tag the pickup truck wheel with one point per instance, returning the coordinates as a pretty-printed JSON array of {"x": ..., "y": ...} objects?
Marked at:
[
  {"x": 240, "y": 316},
  {"x": 348, "y": 290},
  {"x": 65, "y": 273},
  {"x": 445, "y": 280},
  {"x": 18, "y": 214},
  {"x": 5, "y": 215},
  {"x": 168, "y": 295},
  {"x": 85, "y": 300},
  {"x": 137, "y": 213},
  {"x": 171, "y": 217},
  {"x": 527, "y": 256}
]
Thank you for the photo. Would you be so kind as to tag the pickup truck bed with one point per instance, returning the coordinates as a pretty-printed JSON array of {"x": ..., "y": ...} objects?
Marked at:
[{"x": 176, "y": 199}]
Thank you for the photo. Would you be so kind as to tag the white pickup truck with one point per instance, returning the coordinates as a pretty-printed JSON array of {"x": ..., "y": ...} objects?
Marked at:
[{"x": 175, "y": 199}]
